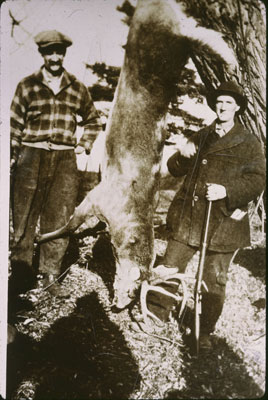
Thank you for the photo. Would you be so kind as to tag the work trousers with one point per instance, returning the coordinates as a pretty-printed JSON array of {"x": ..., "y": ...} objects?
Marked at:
[
  {"x": 44, "y": 191},
  {"x": 215, "y": 276}
]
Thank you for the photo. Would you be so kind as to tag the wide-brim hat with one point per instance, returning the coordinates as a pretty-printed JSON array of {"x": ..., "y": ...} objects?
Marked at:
[
  {"x": 48, "y": 38},
  {"x": 230, "y": 89}
]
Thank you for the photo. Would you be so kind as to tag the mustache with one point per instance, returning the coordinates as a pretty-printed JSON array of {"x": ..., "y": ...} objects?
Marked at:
[{"x": 55, "y": 63}]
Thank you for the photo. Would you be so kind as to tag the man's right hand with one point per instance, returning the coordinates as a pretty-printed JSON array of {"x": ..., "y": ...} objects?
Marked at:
[
  {"x": 215, "y": 192},
  {"x": 12, "y": 165}
]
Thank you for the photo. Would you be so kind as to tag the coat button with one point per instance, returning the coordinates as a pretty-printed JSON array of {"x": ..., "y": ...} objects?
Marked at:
[
  {"x": 196, "y": 198},
  {"x": 204, "y": 161}
]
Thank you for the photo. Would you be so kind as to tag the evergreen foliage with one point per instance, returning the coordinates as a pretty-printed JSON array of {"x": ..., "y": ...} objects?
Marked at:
[{"x": 108, "y": 76}]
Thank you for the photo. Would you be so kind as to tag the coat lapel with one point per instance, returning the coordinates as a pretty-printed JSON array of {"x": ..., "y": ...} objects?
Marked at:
[{"x": 234, "y": 137}]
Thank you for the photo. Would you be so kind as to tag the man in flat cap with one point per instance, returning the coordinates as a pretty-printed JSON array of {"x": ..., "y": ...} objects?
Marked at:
[
  {"x": 225, "y": 164},
  {"x": 43, "y": 160}
]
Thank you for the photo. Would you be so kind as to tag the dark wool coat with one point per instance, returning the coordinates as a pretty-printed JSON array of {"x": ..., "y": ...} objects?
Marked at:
[{"x": 235, "y": 161}]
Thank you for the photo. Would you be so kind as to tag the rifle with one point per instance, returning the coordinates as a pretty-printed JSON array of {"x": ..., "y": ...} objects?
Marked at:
[{"x": 199, "y": 280}]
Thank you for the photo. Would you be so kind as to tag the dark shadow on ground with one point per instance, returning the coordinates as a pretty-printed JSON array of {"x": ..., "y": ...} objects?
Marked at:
[
  {"x": 217, "y": 374},
  {"x": 19, "y": 353},
  {"x": 254, "y": 260},
  {"x": 83, "y": 356},
  {"x": 103, "y": 262}
]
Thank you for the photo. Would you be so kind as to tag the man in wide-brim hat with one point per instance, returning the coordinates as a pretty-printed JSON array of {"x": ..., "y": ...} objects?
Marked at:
[
  {"x": 44, "y": 115},
  {"x": 223, "y": 163},
  {"x": 228, "y": 89}
]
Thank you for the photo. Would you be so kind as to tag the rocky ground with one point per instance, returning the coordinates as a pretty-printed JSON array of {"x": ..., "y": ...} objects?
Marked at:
[{"x": 78, "y": 348}]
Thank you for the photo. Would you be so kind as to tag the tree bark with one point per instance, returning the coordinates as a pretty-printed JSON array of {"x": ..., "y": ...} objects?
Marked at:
[{"x": 242, "y": 23}]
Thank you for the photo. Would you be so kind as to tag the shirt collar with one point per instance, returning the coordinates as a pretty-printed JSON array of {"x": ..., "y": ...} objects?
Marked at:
[
  {"x": 50, "y": 78},
  {"x": 67, "y": 78},
  {"x": 222, "y": 131}
]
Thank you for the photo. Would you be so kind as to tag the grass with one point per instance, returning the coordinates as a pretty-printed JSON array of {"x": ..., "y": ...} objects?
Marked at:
[{"x": 78, "y": 348}]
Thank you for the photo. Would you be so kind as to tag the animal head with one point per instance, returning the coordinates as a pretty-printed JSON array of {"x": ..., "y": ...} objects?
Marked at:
[
  {"x": 127, "y": 282},
  {"x": 134, "y": 257}
]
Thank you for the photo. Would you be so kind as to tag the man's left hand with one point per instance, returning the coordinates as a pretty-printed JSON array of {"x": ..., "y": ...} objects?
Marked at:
[
  {"x": 215, "y": 192},
  {"x": 81, "y": 149}
]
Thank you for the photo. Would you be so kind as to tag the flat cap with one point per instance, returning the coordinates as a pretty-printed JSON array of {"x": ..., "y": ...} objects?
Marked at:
[{"x": 48, "y": 38}]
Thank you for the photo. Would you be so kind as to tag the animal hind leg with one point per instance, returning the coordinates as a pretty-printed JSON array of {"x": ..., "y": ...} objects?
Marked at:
[{"x": 85, "y": 210}]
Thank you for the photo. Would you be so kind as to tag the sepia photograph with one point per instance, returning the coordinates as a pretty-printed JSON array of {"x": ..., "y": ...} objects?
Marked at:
[{"x": 133, "y": 199}]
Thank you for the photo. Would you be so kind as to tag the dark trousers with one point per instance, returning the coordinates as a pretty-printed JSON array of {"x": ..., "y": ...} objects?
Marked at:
[
  {"x": 215, "y": 276},
  {"x": 44, "y": 191}
]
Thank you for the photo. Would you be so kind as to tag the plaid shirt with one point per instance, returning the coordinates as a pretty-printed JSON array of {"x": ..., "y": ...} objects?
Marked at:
[{"x": 37, "y": 114}]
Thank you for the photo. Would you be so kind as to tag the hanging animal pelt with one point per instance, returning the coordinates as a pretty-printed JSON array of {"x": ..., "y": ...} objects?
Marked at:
[{"x": 160, "y": 41}]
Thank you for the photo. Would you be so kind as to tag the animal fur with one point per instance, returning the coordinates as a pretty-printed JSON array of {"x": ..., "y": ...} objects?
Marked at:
[{"x": 160, "y": 40}]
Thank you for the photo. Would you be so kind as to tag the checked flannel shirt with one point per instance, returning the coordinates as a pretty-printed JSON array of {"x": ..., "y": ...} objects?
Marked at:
[{"x": 37, "y": 114}]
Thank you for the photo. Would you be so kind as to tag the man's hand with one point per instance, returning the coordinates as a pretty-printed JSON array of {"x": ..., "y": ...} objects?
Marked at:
[
  {"x": 79, "y": 150},
  {"x": 14, "y": 155},
  {"x": 13, "y": 163},
  {"x": 215, "y": 192},
  {"x": 187, "y": 149}
]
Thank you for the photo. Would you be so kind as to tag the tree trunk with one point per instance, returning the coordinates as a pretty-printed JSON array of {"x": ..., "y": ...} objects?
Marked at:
[{"x": 242, "y": 23}]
